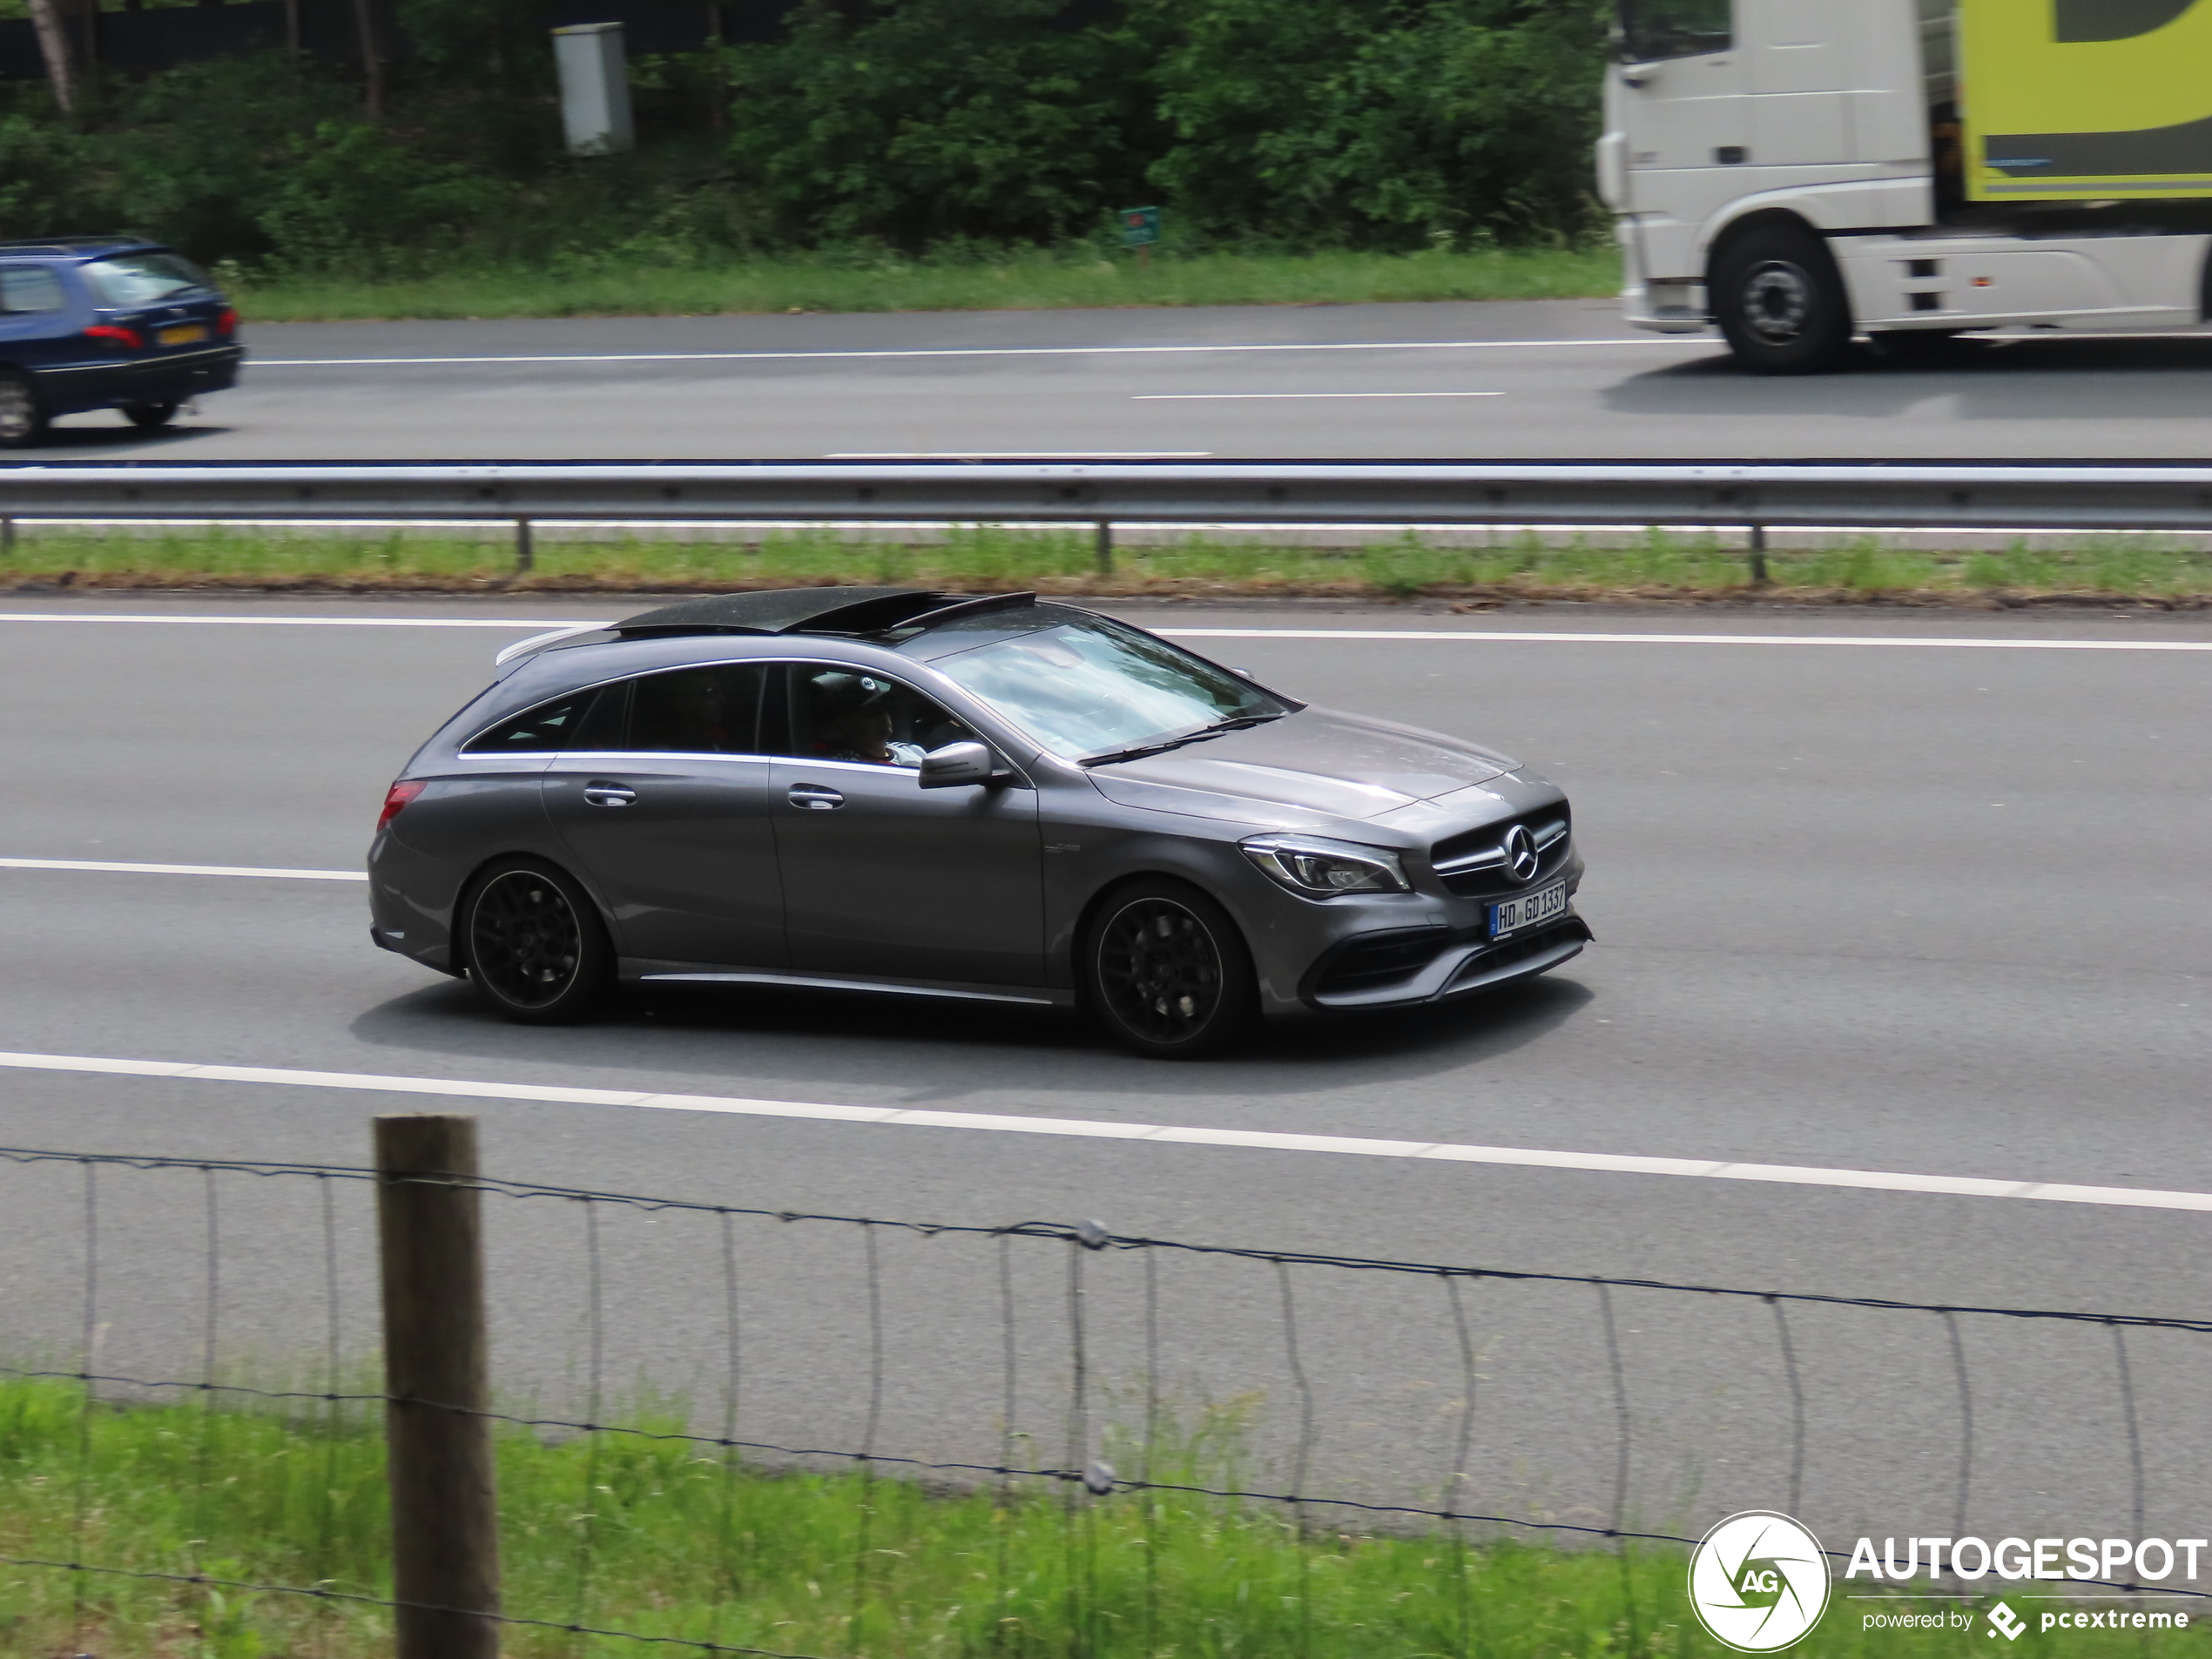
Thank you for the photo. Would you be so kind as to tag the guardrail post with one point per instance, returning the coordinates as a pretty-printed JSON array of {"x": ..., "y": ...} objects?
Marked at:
[
  {"x": 1758, "y": 556},
  {"x": 7, "y": 538},
  {"x": 445, "y": 1510},
  {"x": 1102, "y": 547},
  {"x": 525, "y": 548}
]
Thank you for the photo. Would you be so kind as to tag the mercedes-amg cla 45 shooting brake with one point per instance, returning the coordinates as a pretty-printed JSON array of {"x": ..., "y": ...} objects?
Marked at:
[{"x": 998, "y": 798}]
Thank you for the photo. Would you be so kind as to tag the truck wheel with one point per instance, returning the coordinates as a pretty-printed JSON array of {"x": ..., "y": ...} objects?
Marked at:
[{"x": 1781, "y": 302}]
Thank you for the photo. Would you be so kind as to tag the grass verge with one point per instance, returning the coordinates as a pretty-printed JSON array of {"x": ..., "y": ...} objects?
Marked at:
[
  {"x": 1658, "y": 567},
  {"x": 649, "y": 1537},
  {"x": 1020, "y": 280}
]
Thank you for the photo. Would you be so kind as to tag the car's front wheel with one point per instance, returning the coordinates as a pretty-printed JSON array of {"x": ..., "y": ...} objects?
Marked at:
[
  {"x": 533, "y": 943},
  {"x": 1166, "y": 971},
  {"x": 23, "y": 415},
  {"x": 150, "y": 417}
]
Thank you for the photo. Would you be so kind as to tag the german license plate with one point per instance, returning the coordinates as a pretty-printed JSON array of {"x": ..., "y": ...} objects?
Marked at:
[
  {"x": 182, "y": 333},
  {"x": 1545, "y": 905}
]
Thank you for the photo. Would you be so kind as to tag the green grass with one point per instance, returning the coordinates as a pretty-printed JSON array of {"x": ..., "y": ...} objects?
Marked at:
[
  {"x": 686, "y": 1546},
  {"x": 1017, "y": 279},
  {"x": 1657, "y": 567}
]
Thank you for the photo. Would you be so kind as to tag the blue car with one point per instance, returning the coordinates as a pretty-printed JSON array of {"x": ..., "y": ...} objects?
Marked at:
[{"x": 106, "y": 323}]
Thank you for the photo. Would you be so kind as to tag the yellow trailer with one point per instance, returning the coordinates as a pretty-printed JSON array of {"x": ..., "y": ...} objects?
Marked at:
[{"x": 2072, "y": 100}]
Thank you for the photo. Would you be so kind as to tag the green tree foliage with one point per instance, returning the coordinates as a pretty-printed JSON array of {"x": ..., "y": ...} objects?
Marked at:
[
  {"x": 1376, "y": 122},
  {"x": 917, "y": 121}
]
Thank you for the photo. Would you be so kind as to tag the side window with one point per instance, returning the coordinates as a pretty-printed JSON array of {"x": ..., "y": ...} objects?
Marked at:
[
  {"x": 848, "y": 714},
  {"x": 30, "y": 287},
  {"x": 698, "y": 711},
  {"x": 543, "y": 730},
  {"x": 1652, "y": 30}
]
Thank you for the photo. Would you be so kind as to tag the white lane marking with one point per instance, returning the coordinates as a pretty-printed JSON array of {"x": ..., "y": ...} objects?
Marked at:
[
  {"x": 1020, "y": 454},
  {"x": 1500, "y": 636},
  {"x": 287, "y": 622},
  {"x": 1092, "y": 1129},
  {"x": 1277, "y": 397},
  {"x": 974, "y": 351},
  {"x": 109, "y": 867},
  {"x": 1491, "y": 637}
]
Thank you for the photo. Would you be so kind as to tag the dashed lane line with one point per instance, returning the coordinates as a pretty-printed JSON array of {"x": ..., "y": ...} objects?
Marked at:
[
  {"x": 109, "y": 867},
  {"x": 1160, "y": 1134}
]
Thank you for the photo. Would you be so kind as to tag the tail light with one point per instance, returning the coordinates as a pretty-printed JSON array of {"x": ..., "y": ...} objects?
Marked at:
[
  {"x": 395, "y": 800},
  {"x": 226, "y": 322},
  {"x": 129, "y": 338}
]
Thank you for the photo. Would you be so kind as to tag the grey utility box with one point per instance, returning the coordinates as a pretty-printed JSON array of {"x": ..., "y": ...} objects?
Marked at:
[{"x": 595, "y": 88}]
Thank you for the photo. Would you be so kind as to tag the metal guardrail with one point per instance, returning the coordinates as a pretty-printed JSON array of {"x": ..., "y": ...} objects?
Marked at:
[{"x": 1760, "y": 497}]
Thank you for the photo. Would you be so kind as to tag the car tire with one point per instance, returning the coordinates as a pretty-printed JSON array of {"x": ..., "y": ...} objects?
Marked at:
[
  {"x": 22, "y": 412},
  {"x": 533, "y": 943},
  {"x": 1166, "y": 971},
  {"x": 1781, "y": 302},
  {"x": 150, "y": 417}
]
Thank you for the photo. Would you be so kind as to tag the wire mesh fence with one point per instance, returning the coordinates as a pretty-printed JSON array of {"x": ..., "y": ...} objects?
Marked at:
[{"x": 729, "y": 1428}]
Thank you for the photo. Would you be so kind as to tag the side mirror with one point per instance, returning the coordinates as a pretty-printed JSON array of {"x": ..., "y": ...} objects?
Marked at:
[{"x": 957, "y": 766}]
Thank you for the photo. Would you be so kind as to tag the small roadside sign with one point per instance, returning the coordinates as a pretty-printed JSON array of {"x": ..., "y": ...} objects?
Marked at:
[{"x": 1140, "y": 227}]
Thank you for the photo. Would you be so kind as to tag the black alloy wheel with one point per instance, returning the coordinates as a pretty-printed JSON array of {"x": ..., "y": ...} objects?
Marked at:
[
  {"x": 22, "y": 416},
  {"x": 1168, "y": 972},
  {"x": 1781, "y": 302},
  {"x": 535, "y": 947},
  {"x": 150, "y": 417}
]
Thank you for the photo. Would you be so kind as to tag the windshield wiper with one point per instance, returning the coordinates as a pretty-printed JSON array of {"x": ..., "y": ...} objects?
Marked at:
[{"x": 1166, "y": 743}]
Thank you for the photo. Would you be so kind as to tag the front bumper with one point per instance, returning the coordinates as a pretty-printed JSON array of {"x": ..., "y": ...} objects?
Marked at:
[{"x": 1459, "y": 967}]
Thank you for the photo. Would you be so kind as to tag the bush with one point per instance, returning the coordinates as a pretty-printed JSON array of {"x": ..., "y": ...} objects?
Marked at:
[
  {"x": 1318, "y": 123},
  {"x": 956, "y": 125},
  {"x": 919, "y": 121}
]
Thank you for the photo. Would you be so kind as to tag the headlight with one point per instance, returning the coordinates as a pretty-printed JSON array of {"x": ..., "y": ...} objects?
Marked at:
[{"x": 1316, "y": 869}]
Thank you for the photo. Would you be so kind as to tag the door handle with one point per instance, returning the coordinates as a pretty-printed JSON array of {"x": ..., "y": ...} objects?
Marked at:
[
  {"x": 814, "y": 797},
  {"x": 600, "y": 794}
]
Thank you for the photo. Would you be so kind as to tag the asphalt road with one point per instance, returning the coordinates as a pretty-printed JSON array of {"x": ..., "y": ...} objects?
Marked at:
[
  {"x": 1934, "y": 911},
  {"x": 1509, "y": 380}
]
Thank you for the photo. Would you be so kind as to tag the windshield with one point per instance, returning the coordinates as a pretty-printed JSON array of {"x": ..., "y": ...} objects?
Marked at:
[
  {"x": 1651, "y": 29},
  {"x": 1094, "y": 687},
  {"x": 144, "y": 279}
]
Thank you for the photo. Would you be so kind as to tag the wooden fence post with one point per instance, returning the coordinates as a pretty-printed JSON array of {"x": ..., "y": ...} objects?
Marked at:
[{"x": 445, "y": 1510}]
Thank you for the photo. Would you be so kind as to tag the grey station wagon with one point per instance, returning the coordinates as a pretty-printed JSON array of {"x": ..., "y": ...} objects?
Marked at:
[{"x": 997, "y": 798}]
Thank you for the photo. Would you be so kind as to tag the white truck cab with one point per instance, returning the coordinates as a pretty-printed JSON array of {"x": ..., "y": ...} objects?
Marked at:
[{"x": 1800, "y": 172}]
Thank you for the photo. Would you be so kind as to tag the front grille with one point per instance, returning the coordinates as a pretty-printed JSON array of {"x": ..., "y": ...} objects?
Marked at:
[
  {"x": 1553, "y": 830},
  {"x": 1380, "y": 958},
  {"x": 1519, "y": 950}
]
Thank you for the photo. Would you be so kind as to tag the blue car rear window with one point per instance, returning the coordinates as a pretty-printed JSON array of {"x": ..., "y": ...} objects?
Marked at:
[{"x": 143, "y": 279}]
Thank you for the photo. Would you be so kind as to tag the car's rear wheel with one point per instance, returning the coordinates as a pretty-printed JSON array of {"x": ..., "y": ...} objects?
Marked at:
[
  {"x": 22, "y": 412},
  {"x": 150, "y": 417},
  {"x": 533, "y": 943},
  {"x": 1167, "y": 972}
]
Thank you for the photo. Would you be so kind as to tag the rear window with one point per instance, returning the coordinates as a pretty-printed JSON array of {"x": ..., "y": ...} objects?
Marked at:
[
  {"x": 544, "y": 730},
  {"x": 30, "y": 287},
  {"x": 144, "y": 279}
]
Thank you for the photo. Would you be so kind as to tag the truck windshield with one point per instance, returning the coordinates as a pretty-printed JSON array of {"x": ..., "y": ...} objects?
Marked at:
[{"x": 1651, "y": 29}]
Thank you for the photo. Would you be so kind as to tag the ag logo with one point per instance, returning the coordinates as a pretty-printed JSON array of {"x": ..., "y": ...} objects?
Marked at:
[{"x": 1759, "y": 1582}]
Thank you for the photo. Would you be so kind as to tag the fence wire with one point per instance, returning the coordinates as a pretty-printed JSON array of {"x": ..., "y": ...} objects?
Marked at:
[{"x": 1084, "y": 1479}]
